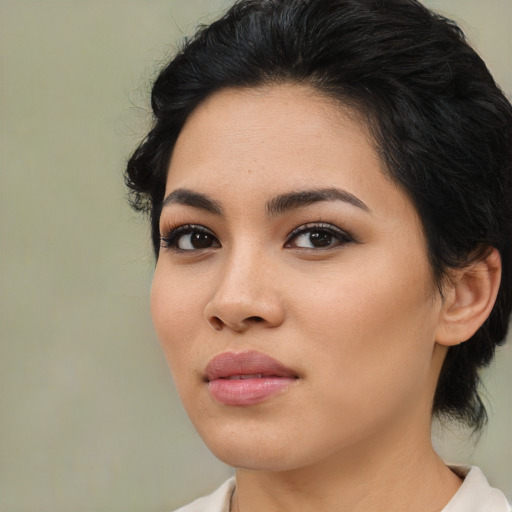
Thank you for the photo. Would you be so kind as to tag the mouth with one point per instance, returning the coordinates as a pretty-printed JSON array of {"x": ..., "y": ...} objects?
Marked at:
[{"x": 247, "y": 378}]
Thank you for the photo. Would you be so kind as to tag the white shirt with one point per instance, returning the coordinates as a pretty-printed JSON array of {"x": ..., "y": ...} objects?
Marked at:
[{"x": 474, "y": 495}]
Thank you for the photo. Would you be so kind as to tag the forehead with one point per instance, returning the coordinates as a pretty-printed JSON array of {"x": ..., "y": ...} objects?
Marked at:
[
  {"x": 276, "y": 119},
  {"x": 283, "y": 102},
  {"x": 270, "y": 140}
]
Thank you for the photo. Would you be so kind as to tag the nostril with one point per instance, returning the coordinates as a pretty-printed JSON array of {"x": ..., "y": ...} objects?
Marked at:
[
  {"x": 216, "y": 323},
  {"x": 255, "y": 319}
]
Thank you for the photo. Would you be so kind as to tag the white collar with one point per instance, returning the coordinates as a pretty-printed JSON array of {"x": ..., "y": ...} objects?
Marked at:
[{"x": 475, "y": 494}]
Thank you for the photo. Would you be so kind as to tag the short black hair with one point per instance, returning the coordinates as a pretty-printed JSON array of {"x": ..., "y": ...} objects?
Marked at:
[{"x": 441, "y": 125}]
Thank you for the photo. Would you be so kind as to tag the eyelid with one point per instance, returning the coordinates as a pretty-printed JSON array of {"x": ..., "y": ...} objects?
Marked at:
[
  {"x": 170, "y": 236},
  {"x": 342, "y": 235}
]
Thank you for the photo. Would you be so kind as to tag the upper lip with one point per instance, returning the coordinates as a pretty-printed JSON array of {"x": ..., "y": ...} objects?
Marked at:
[{"x": 229, "y": 364}]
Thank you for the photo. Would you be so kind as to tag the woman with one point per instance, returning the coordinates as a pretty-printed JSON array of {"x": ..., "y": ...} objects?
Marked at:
[{"x": 329, "y": 184}]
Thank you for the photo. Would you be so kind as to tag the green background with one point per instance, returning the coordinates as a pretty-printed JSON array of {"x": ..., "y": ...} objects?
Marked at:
[{"x": 89, "y": 420}]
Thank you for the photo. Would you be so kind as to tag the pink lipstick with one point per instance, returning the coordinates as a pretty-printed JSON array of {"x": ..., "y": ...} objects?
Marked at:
[{"x": 246, "y": 378}]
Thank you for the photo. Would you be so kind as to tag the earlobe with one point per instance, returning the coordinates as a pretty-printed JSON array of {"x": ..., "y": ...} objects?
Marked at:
[{"x": 469, "y": 298}]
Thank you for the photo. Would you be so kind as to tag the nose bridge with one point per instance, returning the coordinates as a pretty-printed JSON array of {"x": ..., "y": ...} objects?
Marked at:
[
  {"x": 243, "y": 266},
  {"x": 246, "y": 292}
]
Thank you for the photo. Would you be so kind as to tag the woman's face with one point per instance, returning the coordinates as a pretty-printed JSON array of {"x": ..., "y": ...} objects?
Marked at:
[{"x": 293, "y": 296}]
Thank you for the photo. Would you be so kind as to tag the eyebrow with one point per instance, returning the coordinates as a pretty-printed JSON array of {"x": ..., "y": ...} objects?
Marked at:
[
  {"x": 194, "y": 199},
  {"x": 276, "y": 206},
  {"x": 292, "y": 200}
]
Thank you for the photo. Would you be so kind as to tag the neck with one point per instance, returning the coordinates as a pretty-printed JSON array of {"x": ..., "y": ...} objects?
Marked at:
[{"x": 399, "y": 474}]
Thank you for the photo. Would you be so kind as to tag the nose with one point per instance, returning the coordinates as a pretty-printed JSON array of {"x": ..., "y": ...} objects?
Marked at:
[{"x": 246, "y": 296}]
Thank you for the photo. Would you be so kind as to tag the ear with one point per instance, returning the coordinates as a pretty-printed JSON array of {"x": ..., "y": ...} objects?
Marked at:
[{"x": 469, "y": 297}]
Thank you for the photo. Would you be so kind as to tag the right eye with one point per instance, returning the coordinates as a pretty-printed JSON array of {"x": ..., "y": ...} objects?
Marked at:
[{"x": 189, "y": 238}]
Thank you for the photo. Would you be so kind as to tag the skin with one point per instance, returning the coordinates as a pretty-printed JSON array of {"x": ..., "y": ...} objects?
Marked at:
[{"x": 360, "y": 321}]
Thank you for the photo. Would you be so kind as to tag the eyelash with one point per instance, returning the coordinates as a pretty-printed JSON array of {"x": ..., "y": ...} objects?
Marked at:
[
  {"x": 340, "y": 235},
  {"x": 171, "y": 239}
]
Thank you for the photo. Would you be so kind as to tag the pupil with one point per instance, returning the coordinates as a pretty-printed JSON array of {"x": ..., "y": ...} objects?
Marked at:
[
  {"x": 320, "y": 238},
  {"x": 201, "y": 240}
]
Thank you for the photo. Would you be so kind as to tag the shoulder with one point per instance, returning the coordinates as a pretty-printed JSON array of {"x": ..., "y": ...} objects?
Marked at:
[
  {"x": 475, "y": 493},
  {"x": 216, "y": 502}
]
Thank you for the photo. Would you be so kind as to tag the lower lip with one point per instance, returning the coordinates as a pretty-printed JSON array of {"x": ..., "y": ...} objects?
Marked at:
[{"x": 240, "y": 392}]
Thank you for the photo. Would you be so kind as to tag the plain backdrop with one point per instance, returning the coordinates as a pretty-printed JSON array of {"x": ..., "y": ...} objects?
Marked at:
[{"x": 89, "y": 419}]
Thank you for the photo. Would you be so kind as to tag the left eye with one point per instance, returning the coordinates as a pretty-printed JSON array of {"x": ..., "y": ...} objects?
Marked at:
[{"x": 317, "y": 237}]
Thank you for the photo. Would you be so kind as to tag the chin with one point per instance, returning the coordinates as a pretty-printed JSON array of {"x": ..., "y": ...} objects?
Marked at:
[
  {"x": 248, "y": 448},
  {"x": 260, "y": 448},
  {"x": 255, "y": 458}
]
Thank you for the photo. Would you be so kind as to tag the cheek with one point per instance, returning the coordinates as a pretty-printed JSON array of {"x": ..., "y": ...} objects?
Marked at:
[
  {"x": 176, "y": 310},
  {"x": 374, "y": 335}
]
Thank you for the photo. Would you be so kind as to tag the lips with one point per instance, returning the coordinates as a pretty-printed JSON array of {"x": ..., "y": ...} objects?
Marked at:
[{"x": 246, "y": 378}]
